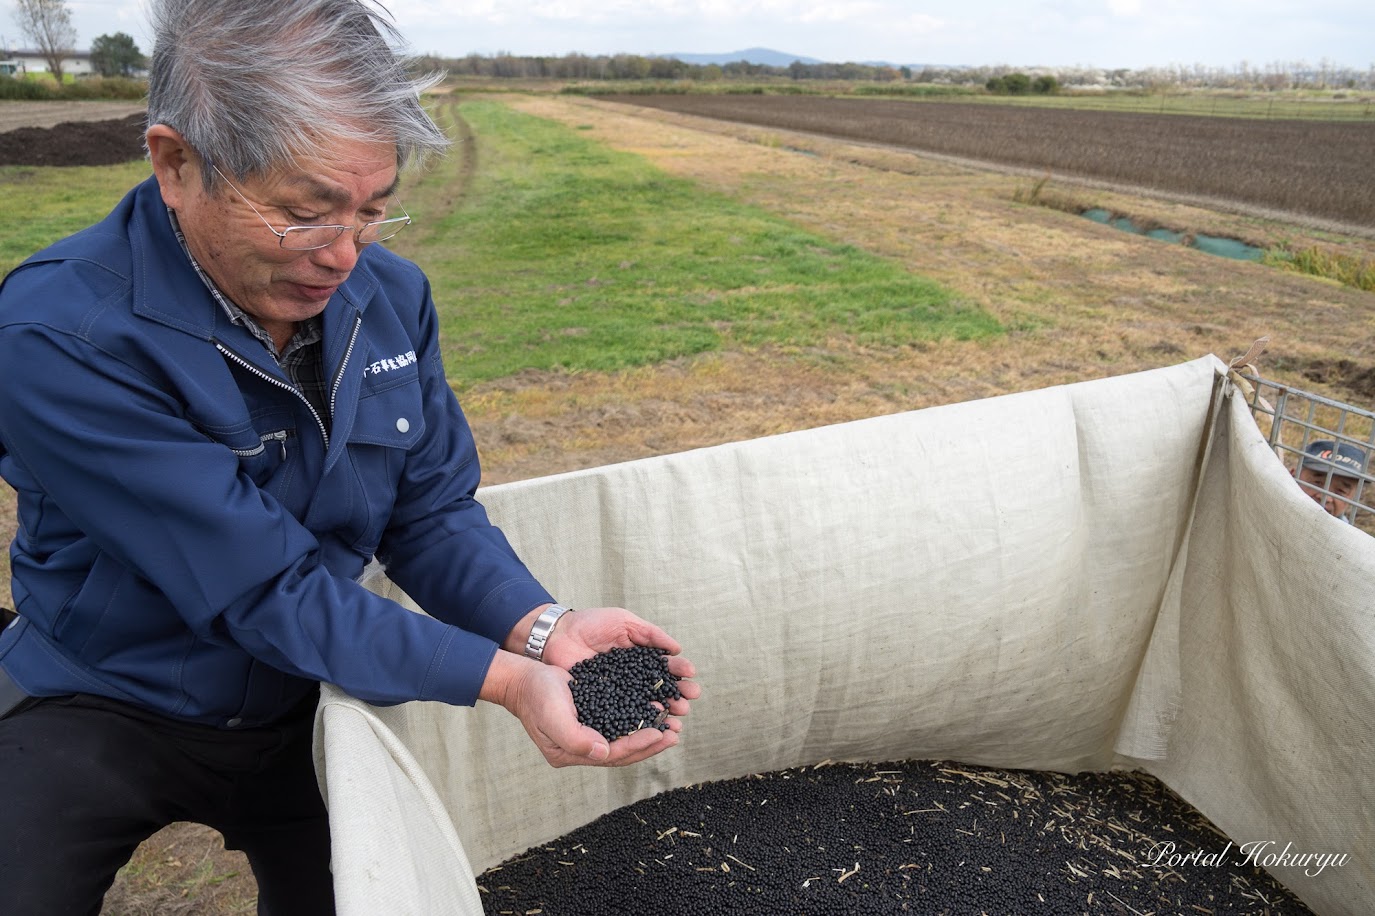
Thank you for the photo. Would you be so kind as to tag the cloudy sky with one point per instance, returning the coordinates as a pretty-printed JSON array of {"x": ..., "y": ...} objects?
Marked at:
[{"x": 1101, "y": 33}]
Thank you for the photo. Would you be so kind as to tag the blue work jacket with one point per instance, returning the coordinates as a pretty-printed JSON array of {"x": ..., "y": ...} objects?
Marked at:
[{"x": 191, "y": 534}]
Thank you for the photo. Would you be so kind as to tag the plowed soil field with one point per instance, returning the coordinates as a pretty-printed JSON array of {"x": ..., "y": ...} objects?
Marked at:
[
  {"x": 71, "y": 133},
  {"x": 49, "y": 114},
  {"x": 1321, "y": 170}
]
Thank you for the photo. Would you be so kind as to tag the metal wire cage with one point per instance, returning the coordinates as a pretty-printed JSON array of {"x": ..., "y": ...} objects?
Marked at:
[{"x": 1306, "y": 430}]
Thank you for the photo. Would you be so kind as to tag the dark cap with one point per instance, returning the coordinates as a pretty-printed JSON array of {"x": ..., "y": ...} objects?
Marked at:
[{"x": 1346, "y": 461}]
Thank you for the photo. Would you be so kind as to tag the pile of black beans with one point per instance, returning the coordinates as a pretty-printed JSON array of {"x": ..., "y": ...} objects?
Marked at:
[
  {"x": 930, "y": 837},
  {"x": 623, "y": 690}
]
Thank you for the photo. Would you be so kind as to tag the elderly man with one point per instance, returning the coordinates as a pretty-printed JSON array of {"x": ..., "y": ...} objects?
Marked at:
[
  {"x": 1332, "y": 473},
  {"x": 221, "y": 402}
]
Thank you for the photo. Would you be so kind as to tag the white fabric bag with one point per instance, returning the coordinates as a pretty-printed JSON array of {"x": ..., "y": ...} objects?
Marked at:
[{"x": 1036, "y": 580}]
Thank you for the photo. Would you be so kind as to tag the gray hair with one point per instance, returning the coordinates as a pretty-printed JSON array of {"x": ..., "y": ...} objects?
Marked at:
[{"x": 254, "y": 84}]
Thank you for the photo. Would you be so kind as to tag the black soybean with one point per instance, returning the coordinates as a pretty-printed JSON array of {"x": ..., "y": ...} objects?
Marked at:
[
  {"x": 902, "y": 837},
  {"x": 623, "y": 690}
]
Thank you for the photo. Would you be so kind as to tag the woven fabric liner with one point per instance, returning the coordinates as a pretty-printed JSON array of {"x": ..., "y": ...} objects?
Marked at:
[{"x": 1115, "y": 573}]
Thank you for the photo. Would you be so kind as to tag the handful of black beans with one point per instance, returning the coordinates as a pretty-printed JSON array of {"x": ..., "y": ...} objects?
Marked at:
[{"x": 621, "y": 691}]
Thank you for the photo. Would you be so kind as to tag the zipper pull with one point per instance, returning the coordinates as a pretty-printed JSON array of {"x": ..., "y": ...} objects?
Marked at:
[{"x": 279, "y": 436}]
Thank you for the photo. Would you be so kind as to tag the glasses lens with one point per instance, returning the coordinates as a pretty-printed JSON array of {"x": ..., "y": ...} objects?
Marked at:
[
  {"x": 308, "y": 238},
  {"x": 381, "y": 231}
]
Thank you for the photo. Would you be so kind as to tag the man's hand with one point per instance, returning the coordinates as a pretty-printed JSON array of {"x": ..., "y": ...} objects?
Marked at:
[
  {"x": 587, "y": 632},
  {"x": 538, "y": 695}
]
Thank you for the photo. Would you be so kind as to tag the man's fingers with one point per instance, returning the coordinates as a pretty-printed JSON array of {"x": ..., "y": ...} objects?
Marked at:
[
  {"x": 691, "y": 690},
  {"x": 640, "y": 745},
  {"x": 624, "y": 751},
  {"x": 590, "y": 744}
]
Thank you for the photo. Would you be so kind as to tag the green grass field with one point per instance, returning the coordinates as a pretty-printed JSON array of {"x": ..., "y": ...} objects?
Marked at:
[
  {"x": 559, "y": 253},
  {"x": 46, "y": 204},
  {"x": 564, "y": 254}
]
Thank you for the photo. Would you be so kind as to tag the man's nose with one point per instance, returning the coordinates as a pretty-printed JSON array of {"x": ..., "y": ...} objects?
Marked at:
[{"x": 340, "y": 254}]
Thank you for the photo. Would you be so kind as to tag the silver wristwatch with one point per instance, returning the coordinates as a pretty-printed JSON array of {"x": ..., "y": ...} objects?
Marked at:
[{"x": 543, "y": 627}]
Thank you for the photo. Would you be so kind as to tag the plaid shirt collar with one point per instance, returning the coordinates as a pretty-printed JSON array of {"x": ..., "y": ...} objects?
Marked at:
[{"x": 308, "y": 332}]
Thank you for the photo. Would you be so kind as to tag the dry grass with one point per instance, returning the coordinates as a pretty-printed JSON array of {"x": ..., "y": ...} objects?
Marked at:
[
  {"x": 1083, "y": 301},
  {"x": 184, "y": 871}
]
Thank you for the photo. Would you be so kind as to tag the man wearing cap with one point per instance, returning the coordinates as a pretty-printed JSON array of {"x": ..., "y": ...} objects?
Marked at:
[{"x": 1332, "y": 473}]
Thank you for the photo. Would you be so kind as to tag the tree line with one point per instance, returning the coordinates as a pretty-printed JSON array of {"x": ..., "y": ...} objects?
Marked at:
[{"x": 1271, "y": 76}]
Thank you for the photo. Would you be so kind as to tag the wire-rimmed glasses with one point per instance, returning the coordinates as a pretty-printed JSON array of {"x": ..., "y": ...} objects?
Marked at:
[{"x": 311, "y": 238}]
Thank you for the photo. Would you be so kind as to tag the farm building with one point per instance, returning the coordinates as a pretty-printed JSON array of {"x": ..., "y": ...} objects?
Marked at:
[{"x": 23, "y": 62}]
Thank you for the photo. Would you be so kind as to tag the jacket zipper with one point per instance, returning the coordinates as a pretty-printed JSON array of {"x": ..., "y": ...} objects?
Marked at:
[
  {"x": 278, "y": 436},
  {"x": 287, "y": 386},
  {"x": 284, "y": 385},
  {"x": 344, "y": 363}
]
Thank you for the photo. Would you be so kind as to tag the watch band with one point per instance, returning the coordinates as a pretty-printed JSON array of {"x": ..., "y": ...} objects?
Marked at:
[{"x": 541, "y": 630}]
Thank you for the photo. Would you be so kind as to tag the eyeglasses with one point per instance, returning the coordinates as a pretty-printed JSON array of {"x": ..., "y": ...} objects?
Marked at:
[{"x": 310, "y": 238}]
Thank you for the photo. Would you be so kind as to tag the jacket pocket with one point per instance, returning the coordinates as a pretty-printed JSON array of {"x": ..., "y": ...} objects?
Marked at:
[
  {"x": 390, "y": 414},
  {"x": 263, "y": 461},
  {"x": 389, "y": 421},
  {"x": 265, "y": 447}
]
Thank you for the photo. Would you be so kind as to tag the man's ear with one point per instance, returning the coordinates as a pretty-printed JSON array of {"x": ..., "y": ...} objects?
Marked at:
[{"x": 175, "y": 163}]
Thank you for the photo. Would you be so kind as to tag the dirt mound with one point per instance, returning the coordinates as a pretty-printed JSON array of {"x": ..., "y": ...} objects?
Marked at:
[
  {"x": 1354, "y": 377},
  {"x": 75, "y": 143}
]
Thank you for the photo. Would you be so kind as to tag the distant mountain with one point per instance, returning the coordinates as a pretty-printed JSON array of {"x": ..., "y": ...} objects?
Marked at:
[{"x": 765, "y": 56}]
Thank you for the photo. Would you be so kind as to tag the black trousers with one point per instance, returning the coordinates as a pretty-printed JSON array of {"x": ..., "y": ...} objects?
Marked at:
[{"x": 84, "y": 780}]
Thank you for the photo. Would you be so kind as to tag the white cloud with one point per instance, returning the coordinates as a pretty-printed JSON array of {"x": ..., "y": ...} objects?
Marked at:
[
  {"x": 649, "y": 12},
  {"x": 1106, "y": 33},
  {"x": 93, "y": 18},
  {"x": 852, "y": 12},
  {"x": 921, "y": 24}
]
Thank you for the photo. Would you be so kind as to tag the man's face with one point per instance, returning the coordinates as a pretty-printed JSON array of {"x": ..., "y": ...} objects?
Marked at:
[
  {"x": 1344, "y": 488},
  {"x": 277, "y": 286}
]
